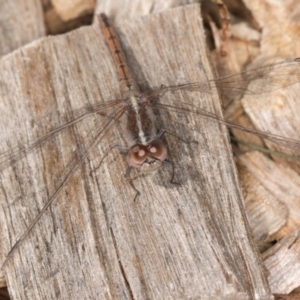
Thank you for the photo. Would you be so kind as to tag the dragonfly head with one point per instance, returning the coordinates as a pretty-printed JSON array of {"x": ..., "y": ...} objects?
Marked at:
[{"x": 149, "y": 157}]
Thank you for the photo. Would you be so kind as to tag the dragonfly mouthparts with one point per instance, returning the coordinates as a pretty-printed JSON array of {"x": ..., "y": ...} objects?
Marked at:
[{"x": 150, "y": 165}]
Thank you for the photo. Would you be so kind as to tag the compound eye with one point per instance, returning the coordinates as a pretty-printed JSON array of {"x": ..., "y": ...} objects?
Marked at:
[
  {"x": 158, "y": 150},
  {"x": 137, "y": 155}
]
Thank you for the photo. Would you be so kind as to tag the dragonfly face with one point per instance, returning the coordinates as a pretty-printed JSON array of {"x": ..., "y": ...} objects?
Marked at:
[{"x": 148, "y": 158}]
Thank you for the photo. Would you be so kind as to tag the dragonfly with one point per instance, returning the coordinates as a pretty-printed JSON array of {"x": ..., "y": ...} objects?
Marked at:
[{"x": 145, "y": 149}]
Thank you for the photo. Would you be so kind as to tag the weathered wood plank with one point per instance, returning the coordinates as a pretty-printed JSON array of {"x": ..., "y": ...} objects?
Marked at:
[
  {"x": 20, "y": 23},
  {"x": 174, "y": 242}
]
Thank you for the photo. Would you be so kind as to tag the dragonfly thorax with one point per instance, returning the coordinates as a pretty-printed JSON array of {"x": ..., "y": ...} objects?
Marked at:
[{"x": 147, "y": 157}]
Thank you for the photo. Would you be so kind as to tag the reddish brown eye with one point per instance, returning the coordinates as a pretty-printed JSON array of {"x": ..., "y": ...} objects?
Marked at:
[
  {"x": 158, "y": 150},
  {"x": 137, "y": 155},
  {"x": 147, "y": 158}
]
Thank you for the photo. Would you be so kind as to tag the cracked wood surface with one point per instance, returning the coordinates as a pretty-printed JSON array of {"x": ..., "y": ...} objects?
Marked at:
[{"x": 174, "y": 242}]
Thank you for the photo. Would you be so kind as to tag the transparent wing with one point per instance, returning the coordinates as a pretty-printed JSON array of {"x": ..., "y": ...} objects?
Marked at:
[
  {"x": 71, "y": 170},
  {"x": 274, "y": 76},
  {"x": 13, "y": 155},
  {"x": 184, "y": 109}
]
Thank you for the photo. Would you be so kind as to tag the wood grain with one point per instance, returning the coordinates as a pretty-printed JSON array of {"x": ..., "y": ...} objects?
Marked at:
[
  {"x": 174, "y": 242},
  {"x": 20, "y": 23},
  {"x": 282, "y": 183},
  {"x": 282, "y": 262}
]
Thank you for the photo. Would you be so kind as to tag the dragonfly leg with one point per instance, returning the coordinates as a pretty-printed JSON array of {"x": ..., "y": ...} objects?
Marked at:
[
  {"x": 160, "y": 133},
  {"x": 128, "y": 171},
  {"x": 122, "y": 148},
  {"x": 137, "y": 193},
  {"x": 170, "y": 162}
]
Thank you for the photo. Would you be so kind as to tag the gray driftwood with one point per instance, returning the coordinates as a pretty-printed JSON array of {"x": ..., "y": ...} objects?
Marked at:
[
  {"x": 189, "y": 241},
  {"x": 20, "y": 23}
]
